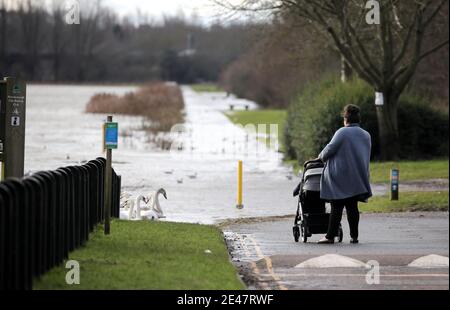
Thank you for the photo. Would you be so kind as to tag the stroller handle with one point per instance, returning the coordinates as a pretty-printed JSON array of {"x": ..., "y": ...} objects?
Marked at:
[{"x": 311, "y": 161}]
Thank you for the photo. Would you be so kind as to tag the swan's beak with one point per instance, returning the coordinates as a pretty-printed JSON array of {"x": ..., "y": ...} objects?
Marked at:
[
  {"x": 165, "y": 195},
  {"x": 146, "y": 199}
]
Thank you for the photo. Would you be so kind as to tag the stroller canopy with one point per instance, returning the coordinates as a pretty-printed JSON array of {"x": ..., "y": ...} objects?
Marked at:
[{"x": 311, "y": 179}]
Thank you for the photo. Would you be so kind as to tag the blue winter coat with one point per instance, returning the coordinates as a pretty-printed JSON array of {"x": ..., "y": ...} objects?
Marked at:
[{"x": 347, "y": 159}]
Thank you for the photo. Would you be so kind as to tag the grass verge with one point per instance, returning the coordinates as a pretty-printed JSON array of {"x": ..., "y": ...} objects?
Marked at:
[
  {"x": 409, "y": 170},
  {"x": 408, "y": 202},
  {"x": 150, "y": 255},
  {"x": 207, "y": 88}
]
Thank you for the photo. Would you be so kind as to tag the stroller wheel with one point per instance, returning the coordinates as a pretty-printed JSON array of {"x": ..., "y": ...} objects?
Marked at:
[
  {"x": 304, "y": 235},
  {"x": 340, "y": 235},
  {"x": 296, "y": 232}
]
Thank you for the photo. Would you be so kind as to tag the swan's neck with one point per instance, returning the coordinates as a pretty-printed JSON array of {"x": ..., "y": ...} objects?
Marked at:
[
  {"x": 156, "y": 207},
  {"x": 130, "y": 212},
  {"x": 138, "y": 206}
]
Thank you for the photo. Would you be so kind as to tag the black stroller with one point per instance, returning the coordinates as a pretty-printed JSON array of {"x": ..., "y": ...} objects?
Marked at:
[{"x": 311, "y": 217}]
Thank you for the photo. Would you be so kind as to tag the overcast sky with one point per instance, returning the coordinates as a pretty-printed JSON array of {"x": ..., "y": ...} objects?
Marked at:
[{"x": 206, "y": 10}]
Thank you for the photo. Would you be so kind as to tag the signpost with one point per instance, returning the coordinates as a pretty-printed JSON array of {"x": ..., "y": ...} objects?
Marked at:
[
  {"x": 111, "y": 135},
  {"x": 110, "y": 138},
  {"x": 12, "y": 127},
  {"x": 395, "y": 178}
]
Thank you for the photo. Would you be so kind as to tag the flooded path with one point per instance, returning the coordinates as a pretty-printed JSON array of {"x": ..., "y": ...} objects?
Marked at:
[
  {"x": 200, "y": 179},
  {"x": 200, "y": 176}
]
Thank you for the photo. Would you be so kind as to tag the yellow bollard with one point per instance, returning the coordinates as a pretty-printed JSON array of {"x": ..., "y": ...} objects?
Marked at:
[{"x": 239, "y": 197}]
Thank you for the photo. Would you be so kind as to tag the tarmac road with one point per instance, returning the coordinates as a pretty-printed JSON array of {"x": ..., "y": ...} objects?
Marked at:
[{"x": 268, "y": 258}]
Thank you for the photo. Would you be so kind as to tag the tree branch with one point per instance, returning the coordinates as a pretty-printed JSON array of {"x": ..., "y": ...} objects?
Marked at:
[
  {"x": 407, "y": 40},
  {"x": 434, "y": 13},
  {"x": 433, "y": 50}
]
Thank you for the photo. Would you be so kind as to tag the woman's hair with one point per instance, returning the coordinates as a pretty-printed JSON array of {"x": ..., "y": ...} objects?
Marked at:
[{"x": 352, "y": 114}]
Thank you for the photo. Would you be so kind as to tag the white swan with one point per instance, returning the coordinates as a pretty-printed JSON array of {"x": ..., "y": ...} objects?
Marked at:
[
  {"x": 127, "y": 213},
  {"x": 148, "y": 215},
  {"x": 126, "y": 204},
  {"x": 138, "y": 205},
  {"x": 134, "y": 211},
  {"x": 124, "y": 195},
  {"x": 131, "y": 214},
  {"x": 125, "y": 200},
  {"x": 155, "y": 208}
]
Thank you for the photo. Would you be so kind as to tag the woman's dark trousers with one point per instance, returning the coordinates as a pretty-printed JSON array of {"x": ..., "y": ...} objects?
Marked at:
[{"x": 337, "y": 207}]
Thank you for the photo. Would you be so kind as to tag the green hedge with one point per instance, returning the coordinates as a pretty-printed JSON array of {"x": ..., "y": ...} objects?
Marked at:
[{"x": 314, "y": 116}]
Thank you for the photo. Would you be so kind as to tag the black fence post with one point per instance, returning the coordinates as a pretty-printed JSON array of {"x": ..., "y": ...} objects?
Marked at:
[
  {"x": 6, "y": 252},
  {"x": 2, "y": 241},
  {"x": 48, "y": 214}
]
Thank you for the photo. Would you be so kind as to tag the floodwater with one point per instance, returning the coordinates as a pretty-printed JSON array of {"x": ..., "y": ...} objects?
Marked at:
[{"x": 199, "y": 175}]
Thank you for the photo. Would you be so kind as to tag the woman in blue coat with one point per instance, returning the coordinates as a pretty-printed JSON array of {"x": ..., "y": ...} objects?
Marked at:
[{"x": 345, "y": 179}]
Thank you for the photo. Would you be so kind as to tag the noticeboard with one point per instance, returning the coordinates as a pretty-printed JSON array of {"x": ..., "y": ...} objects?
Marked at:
[
  {"x": 379, "y": 99},
  {"x": 12, "y": 126},
  {"x": 111, "y": 135}
]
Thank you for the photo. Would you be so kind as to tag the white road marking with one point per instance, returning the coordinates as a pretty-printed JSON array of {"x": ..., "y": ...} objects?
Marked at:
[
  {"x": 269, "y": 265},
  {"x": 332, "y": 261},
  {"x": 430, "y": 261},
  {"x": 326, "y": 275}
]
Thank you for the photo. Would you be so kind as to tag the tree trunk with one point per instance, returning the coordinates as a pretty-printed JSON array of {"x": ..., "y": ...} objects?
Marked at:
[
  {"x": 388, "y": 127},
  {"x": 346, "y": 70}
]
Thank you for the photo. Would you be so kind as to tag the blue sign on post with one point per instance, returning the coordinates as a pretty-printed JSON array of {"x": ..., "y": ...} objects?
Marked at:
[
  {"x": 111, "y": 135},
  {"x": 395, "y": 177}
]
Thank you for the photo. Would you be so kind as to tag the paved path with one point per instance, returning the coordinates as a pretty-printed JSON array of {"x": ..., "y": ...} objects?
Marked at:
[{"x": 268, "y": 257}]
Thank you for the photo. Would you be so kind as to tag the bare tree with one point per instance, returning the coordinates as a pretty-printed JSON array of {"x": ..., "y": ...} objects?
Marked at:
[
  {"x": 286, "y": 55},
  {"x": 31, "y": 14},
  {"x": 105, "y": 47},
  {"x": 3, "y": 31},
  {"x": 385, "y": 54},
  {"x": 86, "y": 35},
  {"x": 58, "y": 38}
]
